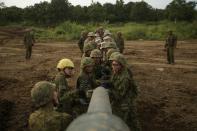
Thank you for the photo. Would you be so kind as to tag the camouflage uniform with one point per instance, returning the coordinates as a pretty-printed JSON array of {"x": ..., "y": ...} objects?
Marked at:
[
  {"x": 120, "y": 42},
  {"x": 123, "y": 94},
  {"x": 82, "y": 40},
  {"x": 85, "y": 81},
  {"x": 65, "y": 96},
  {"x": 105, "y": 46},
  {"x": 88, "y": 47},
  {"x": 91, "y": 40},
  {"x": 45, "y": 118},
  {"x": 97, "y": 71},
  {"x": 29, "y": 42},
  {"x": 171, "y": 41}
]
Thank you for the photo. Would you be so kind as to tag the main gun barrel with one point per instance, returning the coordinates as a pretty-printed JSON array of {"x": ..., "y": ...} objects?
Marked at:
[{"x": 99, "y": 116}]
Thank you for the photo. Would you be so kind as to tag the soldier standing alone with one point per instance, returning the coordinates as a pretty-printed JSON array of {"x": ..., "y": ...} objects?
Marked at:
[
  {"x": 171, "y": 42},
  {"x": 120, "y": 42},
  {"x": 29, "y": 42}
]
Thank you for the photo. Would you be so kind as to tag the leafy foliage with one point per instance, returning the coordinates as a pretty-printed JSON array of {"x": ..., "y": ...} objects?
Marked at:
[{"x": 58, "y": 11}]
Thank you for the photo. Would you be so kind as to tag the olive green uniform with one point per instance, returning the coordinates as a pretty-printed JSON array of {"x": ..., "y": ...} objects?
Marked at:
[
  {"x": 81, "y": 43},
  {"x": 66, "y": 97},
  {"x": 120, "y": 44},
  {"x": 46, "y": 118},
  {"x": 123, "y": 94},
  {"x": 28, "y": 42},
  {"x": 171, "y": 41}
]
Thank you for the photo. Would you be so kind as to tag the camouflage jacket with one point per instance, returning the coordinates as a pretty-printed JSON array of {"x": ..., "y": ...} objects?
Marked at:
[
  {"x": 46, "y": 119},
  {"x": 171, "y": 41},
  {"x": 64, "y": 93},
  {"x": 61, "y": 84},
  {"x": 85, "y": 82},
  {"x": 124, "y": 89}
]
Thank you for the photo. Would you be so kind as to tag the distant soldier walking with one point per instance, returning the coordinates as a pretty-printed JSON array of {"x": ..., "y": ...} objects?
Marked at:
[
  {"x": 171, "y": 42},
  {"x": 120, "y": 42},
  {"x": 29, "y": 42}
]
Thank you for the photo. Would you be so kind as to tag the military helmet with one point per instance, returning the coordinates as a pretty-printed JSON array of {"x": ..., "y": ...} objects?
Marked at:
[
  {"x": 107, "y": 32},
  {"x": 88, "y": 47},
  {"x": 96, "y": 53},
  {"x": 110, "y": 51},
  {"x": 113, "y": 55},
  {"x": 119, "y": 58},
  {"x": 110, "y": 45},
  {"x": 86, "y": 61},
  {"x": 63, "y": 63},
  {"x": 42, "y": 93},
  {"x": 91, "y": 34},
  {"x": 84, "y": 33}
]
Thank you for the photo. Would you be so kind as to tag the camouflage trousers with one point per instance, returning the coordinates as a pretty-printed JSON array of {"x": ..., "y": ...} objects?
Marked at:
[
  {"x": 28, "y": 52},
  {"x": 170, "y": 55},
  {"x": 128, "y": 113}
]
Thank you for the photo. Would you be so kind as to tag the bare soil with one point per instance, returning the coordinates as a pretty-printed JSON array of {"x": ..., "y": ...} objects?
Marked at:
[{"x": 168, "y": 93}]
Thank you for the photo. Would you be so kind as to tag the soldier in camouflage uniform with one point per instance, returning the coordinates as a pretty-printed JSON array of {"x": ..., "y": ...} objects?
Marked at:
[
  {"x": 123, "y": 92},
  {"x": 97, "y": 58},
  {"x": 88, "y": 47},
  {"x": 29, "y": 42},
  {"x": 105, "y": 47},
  {"x": 46, "y": 118},
  {"x": 120, "y": 42},
  {"x": 66, "y": 96},
  {"x": 91, "y": 39},
  {"x": 82, "y": 40},
  {"x": 171, "y": 42},
  {"x": 86, "y": 82}
]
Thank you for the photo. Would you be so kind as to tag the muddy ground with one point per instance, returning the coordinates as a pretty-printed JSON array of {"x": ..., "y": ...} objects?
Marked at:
[{"x": 168, "y": 93}]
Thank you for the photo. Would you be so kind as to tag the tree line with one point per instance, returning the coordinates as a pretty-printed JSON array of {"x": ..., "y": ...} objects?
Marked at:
[{"x": 57, "y": 11}]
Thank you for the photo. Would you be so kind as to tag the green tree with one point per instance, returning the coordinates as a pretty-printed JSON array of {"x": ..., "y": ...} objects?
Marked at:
[
  {"x": 11, "y": 14},
  {"x": 59, "y": 11},
  {"x": 96, "y": 12},
  {"x": 78, "y": 14},
  {"x": 39, "y": 13},
  {"x": 110, "y": 12},
  {"x": 120, "y": 11},
  {"x": 141, "y": 11},
  {"x": 181, "y": 10}
]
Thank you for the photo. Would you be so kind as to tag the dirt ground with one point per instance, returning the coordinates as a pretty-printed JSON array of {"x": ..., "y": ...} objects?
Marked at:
[{"x": 168, "y": 93}]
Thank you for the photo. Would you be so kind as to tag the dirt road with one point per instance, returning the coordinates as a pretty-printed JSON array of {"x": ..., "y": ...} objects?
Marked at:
[{"x": 168, "y": 93}]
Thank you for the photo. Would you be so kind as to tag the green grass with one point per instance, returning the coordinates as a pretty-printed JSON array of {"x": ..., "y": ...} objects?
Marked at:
[{"x": 131, "y": 31}]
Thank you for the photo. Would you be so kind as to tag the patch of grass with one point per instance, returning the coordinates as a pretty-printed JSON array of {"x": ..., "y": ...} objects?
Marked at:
[{"x": 131, "y": 31}]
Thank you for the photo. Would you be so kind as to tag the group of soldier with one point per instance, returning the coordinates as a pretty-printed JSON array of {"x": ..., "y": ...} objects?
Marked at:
[{"x": 102, "y": 64}]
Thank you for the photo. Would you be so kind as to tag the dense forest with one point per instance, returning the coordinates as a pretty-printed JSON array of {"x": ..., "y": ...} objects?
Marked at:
[{"x": 58, "y": 11}]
